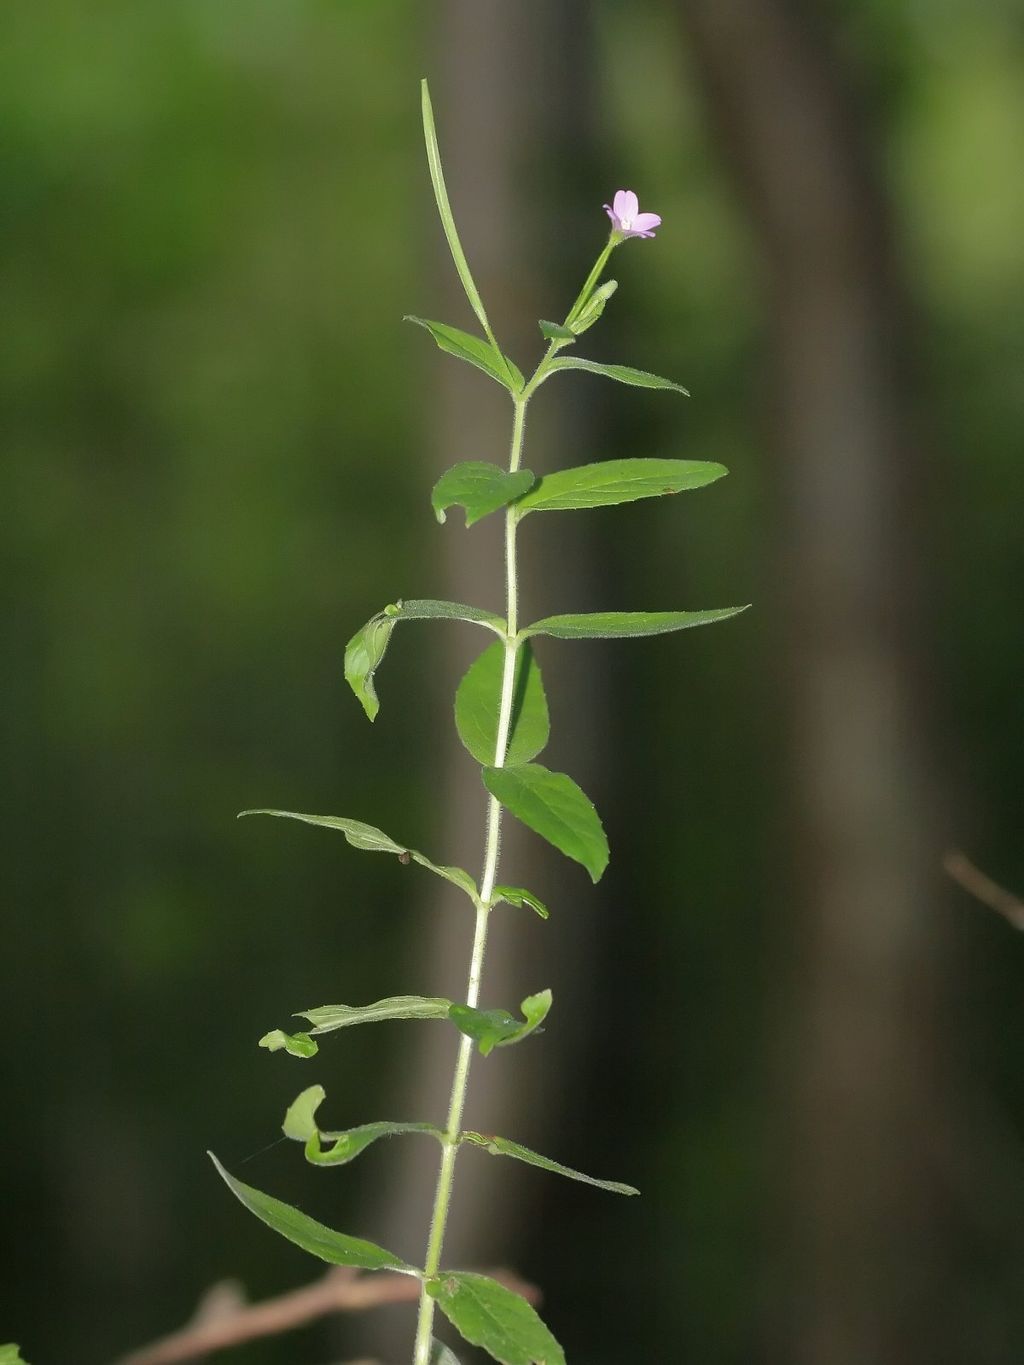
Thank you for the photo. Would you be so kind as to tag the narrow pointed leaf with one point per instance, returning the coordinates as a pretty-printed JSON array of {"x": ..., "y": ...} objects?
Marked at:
[
  {"x": 618, "y": 625},
  {"x": 301, "y": 1126},
  {"x": 553, "y": 806},
  {"x": 439, "y": 1354},
  {"x": 479, "y": 488},
  {"x": 475, "y": 350},
  {"x": 555, "y": 331},
  {"x": 444, "y": 210},
  {"x": 430, "y": 609},
  {"x": 623, "y": 374},
  {"x": 499, "y": 1146},
  {"x": 295, "y": 1044},
  {"x": 519, "y": 897},
  {"x": 477, "y": 702},
  {"x": 373, "y": 840},
  {"x": 493, "y": 1317},
  {"x": 616, "y": 481},
  {"x": 327, "y": 1018},
  {"x": 497, "y": 1028},
  {"x": 336, "y": 1248}
]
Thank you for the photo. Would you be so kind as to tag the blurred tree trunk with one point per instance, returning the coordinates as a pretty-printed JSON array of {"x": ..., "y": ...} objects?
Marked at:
[
  {"x": 864, "y": 1271},
  {"x": 512, "y": 122}
]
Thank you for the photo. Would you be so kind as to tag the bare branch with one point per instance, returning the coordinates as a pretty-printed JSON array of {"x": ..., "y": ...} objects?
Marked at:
[
  {"x": 983, "y": 888},
  {"x": 224, "y": 1319}
]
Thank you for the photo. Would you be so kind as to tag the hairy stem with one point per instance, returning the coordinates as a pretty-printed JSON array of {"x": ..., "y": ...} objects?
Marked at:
[{"x": 460, "y": 1081}]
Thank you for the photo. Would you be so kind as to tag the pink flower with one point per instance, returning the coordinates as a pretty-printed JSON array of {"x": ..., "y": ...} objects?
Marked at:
[{"x": 625, "y": 218}]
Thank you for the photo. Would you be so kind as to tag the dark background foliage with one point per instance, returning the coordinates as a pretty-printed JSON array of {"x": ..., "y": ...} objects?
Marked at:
[{"x": 219, "y": 441}]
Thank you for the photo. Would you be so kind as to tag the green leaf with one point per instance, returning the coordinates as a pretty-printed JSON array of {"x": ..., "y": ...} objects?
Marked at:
[
  {"x": 497, "y": 1028},
  {"x": 499, "y": 1146},
  {"x": 439, "y": 1354},
  {"x": 555, "y": 331},
  {"x": 333, "y": 1247},
  {"x": 444, "y": 210},
  {"x": 300, "y": 1125},
  {"x": 616, "y": 481},
  {"x": 465, "y": 346},
  {"x": 365, "y": 651},
  {"x": 479, "y": 488},
  {"x": 327, "y": 1018},
  {"x": 594, "y": 307},
  {"x": 11, "y": 1355},
  {"x": 493, "y": 1317},
  {"x": 374, "y": 840},
  {"x": 299, "y": 1121},
  {"x": 519, "y": 897},
  {"x": 296, "y": 1044},
  {"x": 618, "y": 625},
  {"x": 429, "y": 609},
  {"x": 363, "y": 656},
  {"x": 623, "y": 374},
  {"x": 477, "y": 702},
  {"x": 553, "y": 806}
]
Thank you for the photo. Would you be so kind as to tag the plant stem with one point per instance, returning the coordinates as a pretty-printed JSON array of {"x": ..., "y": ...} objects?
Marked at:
[{"x": 460, "y": 1081}]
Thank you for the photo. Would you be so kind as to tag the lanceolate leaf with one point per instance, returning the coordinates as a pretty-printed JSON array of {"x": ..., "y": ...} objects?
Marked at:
[
  {"x": 623, "y": 374},
  {"x": 365, "y": 652},
  {"x": 493, "y": 1317},
  {"x": 374, "y": 840},
  {"x": 429, "y": 609},
  {"x": 333, "y": 1247},
  {"x": 479, "y": 488},
  {"x": 519, "y": 896},
  {"x": 295, "y": 1044},
  {"x": 499, "y": 1146},
  {"x": 444, "y": 210},
  {"x": 327, "y": 1018},
  {"x": 477, "y": 701},
  {"x": 553, "y": 806},
  {"x": 497, "y": 1028},
  {"x": 300, "y": 1125},
  {"x": 616, "y": 625},
  {"x": 475, "y": 350},
  {"x": 616, "y": 481}
]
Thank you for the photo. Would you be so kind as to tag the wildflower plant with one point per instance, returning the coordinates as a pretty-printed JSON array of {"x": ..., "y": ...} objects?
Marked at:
[{"x": 501, "y": 715}]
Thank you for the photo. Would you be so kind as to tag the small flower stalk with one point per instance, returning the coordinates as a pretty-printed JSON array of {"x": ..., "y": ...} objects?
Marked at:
[{"x": 502, "y": 719}]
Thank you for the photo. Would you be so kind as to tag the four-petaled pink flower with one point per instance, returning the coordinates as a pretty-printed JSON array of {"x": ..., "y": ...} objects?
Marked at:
[{"x": 625, "y": 218}]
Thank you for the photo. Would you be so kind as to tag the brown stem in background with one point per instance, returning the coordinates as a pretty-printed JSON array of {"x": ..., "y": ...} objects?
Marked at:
[
  {"x": 224, "y": 1319},
  {"x": 983, "y": 888},
  {"x": 864, "y": 1046}
]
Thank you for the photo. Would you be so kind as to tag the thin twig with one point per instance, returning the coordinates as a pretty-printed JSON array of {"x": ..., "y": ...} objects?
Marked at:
[
  {"x": 983, "y": 888},
  {"x": 224, "y": 1319}
]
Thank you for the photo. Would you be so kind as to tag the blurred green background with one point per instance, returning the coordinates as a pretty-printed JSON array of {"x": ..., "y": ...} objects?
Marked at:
[{"x": 219, "y": 440}]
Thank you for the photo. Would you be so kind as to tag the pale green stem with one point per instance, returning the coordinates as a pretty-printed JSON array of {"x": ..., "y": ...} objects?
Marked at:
[
  {"x": 460, "y": 1081},
  {"x": 594, "y": 276}
]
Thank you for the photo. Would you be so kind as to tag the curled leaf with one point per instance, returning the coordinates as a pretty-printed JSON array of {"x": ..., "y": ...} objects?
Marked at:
[
  {"x": 498, "y": 1028},
  {"x": 342, "y": 1147},
  {"x": 295, "y": 1044},
  {"x": 519, "y": 896}
]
